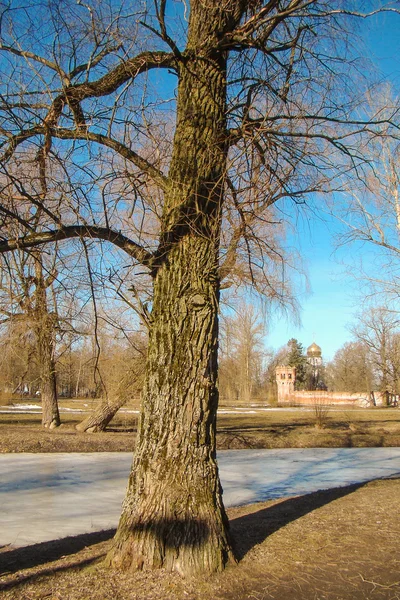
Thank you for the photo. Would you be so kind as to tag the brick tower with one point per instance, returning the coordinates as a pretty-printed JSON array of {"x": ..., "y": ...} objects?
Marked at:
[{"x": 285, "y": 379}]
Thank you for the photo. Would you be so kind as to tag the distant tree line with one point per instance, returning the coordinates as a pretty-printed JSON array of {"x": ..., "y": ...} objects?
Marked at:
[
  {"x": 87, "y": 357},
  {"x": 371, "y": 361},
  {"x": 92, "y": 363}
]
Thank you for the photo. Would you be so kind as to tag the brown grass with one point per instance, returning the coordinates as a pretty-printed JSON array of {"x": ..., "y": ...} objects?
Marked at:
[{"x": 291, "y": 428}]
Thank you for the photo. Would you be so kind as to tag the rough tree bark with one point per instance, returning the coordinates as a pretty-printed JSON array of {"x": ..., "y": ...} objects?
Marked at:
[{"x": 173, "y": 515}]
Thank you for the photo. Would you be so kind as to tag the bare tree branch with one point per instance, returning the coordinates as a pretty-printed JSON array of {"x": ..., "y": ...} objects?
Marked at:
[{"x": 81, "y": 231}]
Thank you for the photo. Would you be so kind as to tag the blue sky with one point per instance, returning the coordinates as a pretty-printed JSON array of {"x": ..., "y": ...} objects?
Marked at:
[{"x": 329, "y": 308}]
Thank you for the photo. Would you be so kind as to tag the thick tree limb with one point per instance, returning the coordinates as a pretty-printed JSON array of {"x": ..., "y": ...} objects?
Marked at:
[
  {"x": 110, "y": 82},
  {"x": 73, "y": 95},
  {"x": 81, "y": 231}
]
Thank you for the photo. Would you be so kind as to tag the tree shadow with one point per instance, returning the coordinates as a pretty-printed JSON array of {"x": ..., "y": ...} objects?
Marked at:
[
  {"x": 252, "y": 529},
  {"x": 171, "y": 532},
  {"x": 35, "y": 555},
  {"x": 175, "y": 533},
  {"x": 21, "y": 579}
]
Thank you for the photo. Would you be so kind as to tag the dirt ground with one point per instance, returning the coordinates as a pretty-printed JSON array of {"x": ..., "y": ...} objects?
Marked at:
[{"x": 339, "y": 544}]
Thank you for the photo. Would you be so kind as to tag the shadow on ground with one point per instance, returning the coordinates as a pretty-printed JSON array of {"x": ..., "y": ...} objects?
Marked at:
[
  {"x": 254, "y": 528},
  {"x": 247, "y": 531},
  {"x": 27, "y": 557}
]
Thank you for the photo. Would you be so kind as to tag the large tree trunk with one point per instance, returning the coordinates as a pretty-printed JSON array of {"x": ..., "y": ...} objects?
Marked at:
[{"x": 173, "y": 515}]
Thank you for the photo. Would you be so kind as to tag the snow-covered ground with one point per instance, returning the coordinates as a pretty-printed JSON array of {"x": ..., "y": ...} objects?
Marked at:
[
  {"x": 45, "y": 496},
  {"x": 33, "y": 409}
]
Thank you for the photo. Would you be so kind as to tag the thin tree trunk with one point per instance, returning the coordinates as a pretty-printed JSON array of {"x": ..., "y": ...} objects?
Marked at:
[
  {"x": 44, "y": 329},
  {"x": 173, "y": 515},
  {"x": 50, "y": 412}
]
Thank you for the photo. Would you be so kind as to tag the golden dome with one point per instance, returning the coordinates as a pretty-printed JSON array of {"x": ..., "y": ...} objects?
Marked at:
[{"x": 314, "y": 351}]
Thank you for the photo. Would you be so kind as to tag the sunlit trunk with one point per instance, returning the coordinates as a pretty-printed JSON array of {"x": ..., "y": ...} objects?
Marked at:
[{"x": 173, "y": 515}]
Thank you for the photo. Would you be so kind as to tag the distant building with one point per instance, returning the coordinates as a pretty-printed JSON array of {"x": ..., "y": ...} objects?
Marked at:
[
  {"x": 314, "y": 354},
  {"x": 314, "y": 359},
  {"x": 286, "y": 378}
]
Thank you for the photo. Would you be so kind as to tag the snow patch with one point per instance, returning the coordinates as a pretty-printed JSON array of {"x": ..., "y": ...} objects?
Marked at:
[{"x": 46, "y": 496}]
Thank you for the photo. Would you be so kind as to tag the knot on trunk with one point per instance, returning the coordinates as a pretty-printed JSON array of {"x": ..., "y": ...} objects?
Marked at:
[{"x": 198, "y": 301}]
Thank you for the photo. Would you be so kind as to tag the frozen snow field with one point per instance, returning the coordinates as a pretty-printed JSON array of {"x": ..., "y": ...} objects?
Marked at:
[{"x": 49, "y": 496}]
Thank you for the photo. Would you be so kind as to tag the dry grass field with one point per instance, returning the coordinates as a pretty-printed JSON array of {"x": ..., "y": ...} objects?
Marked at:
[{"x": 238, "y": 428}]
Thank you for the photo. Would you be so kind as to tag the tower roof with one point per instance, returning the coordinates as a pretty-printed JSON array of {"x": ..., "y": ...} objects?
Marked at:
[{"x": 314, "y": 350}]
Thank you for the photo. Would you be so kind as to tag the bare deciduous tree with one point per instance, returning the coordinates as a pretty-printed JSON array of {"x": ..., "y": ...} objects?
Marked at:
[
  {"x": 351, "y": 369},
  {"x": 241, "y": 357},
  {"x": 377, "y": 328},
  {"x": 122, "y": 370},
  {"x": 263, "y": 112},
  {"x": 18, "y": 369},
  {"x": 24, "y": 298},
  {"x": 370, "y": 212}
]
